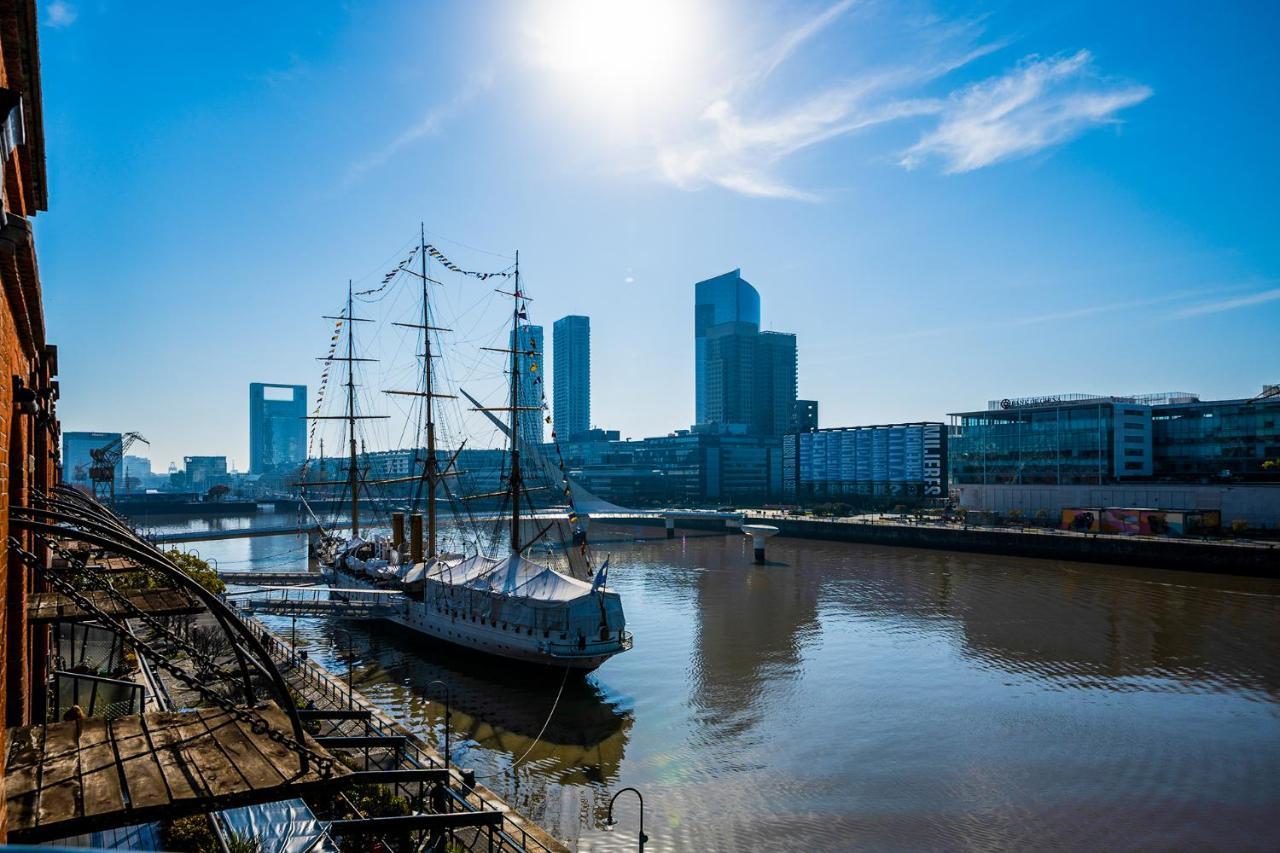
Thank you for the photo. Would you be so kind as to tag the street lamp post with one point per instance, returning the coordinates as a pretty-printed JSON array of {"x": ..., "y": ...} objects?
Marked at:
[
  {"x": 447, "y": 717},
  {"x": 610, "y": 823}
]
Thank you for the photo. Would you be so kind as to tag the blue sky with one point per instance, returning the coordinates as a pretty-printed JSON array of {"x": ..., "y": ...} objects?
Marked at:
[{"x": 946, "y": 202}]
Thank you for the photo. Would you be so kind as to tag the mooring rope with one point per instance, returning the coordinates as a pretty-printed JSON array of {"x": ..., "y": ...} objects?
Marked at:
[{"x": 538, "y": 737}]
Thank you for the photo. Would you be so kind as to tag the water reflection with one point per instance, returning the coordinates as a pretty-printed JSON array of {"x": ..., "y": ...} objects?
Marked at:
[
  {"x": 493, "y": 709},
  {"x": 861, "y": 697}
]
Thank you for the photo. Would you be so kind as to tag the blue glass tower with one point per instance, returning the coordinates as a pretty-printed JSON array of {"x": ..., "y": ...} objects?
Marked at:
[{"x": 726, "y": 323}]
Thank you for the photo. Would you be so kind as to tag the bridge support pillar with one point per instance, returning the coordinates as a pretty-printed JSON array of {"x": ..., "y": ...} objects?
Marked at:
[
  {"x": 671, "y": 528},
  {"x": 759, "y": 533}
]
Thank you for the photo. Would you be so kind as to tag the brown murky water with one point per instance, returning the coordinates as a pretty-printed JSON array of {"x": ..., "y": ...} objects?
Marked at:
[{"x": 857, "y": 697}]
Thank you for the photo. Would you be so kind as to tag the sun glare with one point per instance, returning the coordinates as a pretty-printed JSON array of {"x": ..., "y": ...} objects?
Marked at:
[{"x": 620, "y": 53}]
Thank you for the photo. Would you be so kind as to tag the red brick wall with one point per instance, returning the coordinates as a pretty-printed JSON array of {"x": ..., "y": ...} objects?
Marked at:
[{"x": 28, "y": 442}]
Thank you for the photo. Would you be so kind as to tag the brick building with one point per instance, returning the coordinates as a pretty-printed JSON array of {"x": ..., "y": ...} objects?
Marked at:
[{"x": 28, "y": 425}]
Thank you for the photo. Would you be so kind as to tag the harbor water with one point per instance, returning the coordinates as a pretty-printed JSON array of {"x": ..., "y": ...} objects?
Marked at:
[{"x": 858, "y": 697}]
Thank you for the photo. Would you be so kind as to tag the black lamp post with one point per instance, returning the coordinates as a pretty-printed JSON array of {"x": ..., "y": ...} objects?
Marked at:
[
  {"x": 447, "y": 718},
  {"x": 610, "y": 823}
]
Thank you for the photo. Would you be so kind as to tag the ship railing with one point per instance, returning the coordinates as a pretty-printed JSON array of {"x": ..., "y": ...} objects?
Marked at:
[{"x": 592, "y": 649}]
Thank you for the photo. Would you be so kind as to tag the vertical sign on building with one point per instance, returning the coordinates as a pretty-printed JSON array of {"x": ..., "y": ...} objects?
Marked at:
[{"x": 935, "y": 461}]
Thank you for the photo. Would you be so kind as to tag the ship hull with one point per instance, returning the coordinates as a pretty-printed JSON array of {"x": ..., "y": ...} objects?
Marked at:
[{"x": 493, "y": 639}]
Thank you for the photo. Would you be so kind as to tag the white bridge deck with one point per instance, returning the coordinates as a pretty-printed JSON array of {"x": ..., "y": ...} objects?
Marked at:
[{"x": 315, "y": 601}]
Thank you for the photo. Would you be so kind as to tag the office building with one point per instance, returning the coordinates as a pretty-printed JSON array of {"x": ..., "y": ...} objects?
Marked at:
[
  {"x": 1220, "y": 440},
  {"x": 76, "y": 457},
  {"x": 804, "y": 417},
  {"x": 530, "y": 370},
  {"x": 571, "y": 347},
  {"x": 204, "y": 472},
  {"x": 745, "y": 380},
  {"x": 1039, "y": 455},
  {"x": 888, "y": 462},
  {"x": 684, "y": 468},
  {"x": 135, "y": 473},
  {"x": 726, "y": 317},
  {"x": 774, "y": 379},
  {"x": 1062, "y": 439},
  {"x": 277, "y": 426}
]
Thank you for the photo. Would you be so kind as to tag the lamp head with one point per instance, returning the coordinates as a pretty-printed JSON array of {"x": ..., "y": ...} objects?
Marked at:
[{"x": 610, "y": 824}]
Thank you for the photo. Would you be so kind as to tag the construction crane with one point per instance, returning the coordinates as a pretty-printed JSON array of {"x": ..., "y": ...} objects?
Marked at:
[{"x": 102, "y": 467}]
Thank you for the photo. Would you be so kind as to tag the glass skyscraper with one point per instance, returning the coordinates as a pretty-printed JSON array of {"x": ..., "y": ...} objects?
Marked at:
[
  {"x": 726, "y": 321},
  {"x": 571, "y": 346},
  {"x": 530, "y": 370},
  {"x": 745, "y": 379},
  {"x": 277, "y": 426}
]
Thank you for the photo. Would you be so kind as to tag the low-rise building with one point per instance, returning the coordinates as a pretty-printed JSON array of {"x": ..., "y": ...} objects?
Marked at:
[{"x": 867, "y": 464}]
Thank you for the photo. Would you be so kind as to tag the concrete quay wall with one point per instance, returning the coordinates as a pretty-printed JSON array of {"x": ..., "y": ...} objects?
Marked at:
[{"x": 1181, "y": 554}]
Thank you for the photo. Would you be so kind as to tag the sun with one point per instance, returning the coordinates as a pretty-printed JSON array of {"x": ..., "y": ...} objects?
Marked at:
[{"x": 629, "y": 54}]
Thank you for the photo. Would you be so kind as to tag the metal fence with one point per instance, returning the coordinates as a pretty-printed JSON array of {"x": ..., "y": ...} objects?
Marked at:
[{"x": 512, "y": 836}]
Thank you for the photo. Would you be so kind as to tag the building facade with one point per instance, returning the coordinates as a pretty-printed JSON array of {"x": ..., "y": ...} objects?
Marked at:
[
  {"x": 204, "y": 472},
  {"x": 1081, "y": 439},
  {"x": 277, "y": 426},
  {"x": 727, "y": 311},
  {"x": 135, "y": 473},
  {"x": 571, "y": 347},
  {"x": 1062, "y": 439},
  {"x": 683, "y": 469},
  {"x": 1217, "y": 441},
  {"x": 530, "y": 370},
  {"x": 774, "y": 394},
  {"x": 889, "y": 462},
  {"x": 29, "y": 430},
  {"x": 76, "y": 458},
  {"x": 744, "y": 379},
  {"x": 804, "y": 417}
]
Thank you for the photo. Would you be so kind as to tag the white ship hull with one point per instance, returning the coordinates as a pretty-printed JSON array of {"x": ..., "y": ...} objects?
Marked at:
[{"x": 488, "y": 636}]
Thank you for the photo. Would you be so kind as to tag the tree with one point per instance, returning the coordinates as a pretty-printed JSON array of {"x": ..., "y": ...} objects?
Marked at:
[
  {"x": 217, "y": 493},
  {"x": 199, "y": 571}
]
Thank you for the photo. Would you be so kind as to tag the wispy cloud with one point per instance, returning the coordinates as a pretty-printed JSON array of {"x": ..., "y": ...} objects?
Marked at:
[
  {"x": 1229, "y": 304},
  {"x": 781, "y": 50},
  {"x": 60, "y": 14},
  {"x": 1043, "y": 102},
  {"x": 429, "y": 124},
  {"x": 1038, "y": 104},
  {"x": 1060, "y": 316},
  {"x": 739, "y": 149}
]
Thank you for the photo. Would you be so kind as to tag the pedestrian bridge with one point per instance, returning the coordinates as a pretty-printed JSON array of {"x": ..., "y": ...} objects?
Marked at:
[
  {"x": 271, "y": 578},
  {"x": 320, "y": 601}
]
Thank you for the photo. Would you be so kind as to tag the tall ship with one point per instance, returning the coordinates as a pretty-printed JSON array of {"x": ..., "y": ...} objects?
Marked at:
[{"x": 508, "y": 573}]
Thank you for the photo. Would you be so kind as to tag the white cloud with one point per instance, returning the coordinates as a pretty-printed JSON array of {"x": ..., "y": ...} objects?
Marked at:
[
  {"x": 1041, "y": 103},
  {"x": 428, "y": 125},
  {"x": 781, "y": 50},
  {"x": 59, "y": 14},
  {"x": 737, "y": 154},
  {"x": 1229, "y": 304}
]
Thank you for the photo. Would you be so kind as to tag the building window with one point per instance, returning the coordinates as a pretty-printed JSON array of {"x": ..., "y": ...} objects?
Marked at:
[
  {"x": 1134, "y": 451},
  {"x": 1133, "y": 466}
]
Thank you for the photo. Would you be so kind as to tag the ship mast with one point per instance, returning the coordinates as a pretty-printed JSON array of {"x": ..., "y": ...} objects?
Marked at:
[
  {"x": 515, "y": 412},
  {"x": 350, "y": 416},
  {"x": 353, "y": 478},
  {"x": 431, "y": 472}
]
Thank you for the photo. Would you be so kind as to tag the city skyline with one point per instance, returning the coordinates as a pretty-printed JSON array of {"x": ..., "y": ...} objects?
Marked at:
[{"x": 925, "y": 256}]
